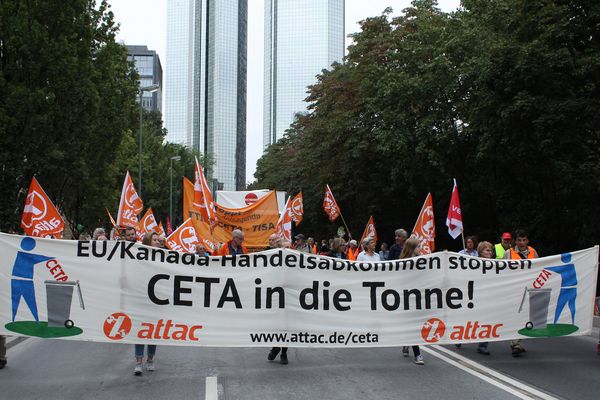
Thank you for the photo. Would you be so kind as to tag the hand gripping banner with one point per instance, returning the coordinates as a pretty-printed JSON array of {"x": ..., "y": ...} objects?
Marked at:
[{"x": 123, "y": 292}]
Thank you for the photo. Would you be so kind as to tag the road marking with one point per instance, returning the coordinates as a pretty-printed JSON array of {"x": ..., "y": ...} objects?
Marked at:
[
  {"x": 489, "y": 375},
  {"x": 212, "y": 389}
]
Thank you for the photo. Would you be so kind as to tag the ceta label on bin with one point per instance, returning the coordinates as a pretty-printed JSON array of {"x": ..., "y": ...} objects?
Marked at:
[{"x": 57, "y": 271}]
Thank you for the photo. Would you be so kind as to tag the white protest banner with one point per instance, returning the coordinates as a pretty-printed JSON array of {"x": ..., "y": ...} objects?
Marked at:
[{"x": 122, "y": 292}]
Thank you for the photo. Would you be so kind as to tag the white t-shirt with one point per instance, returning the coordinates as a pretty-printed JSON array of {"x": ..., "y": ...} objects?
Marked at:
[{"x": 364, "y": 256}]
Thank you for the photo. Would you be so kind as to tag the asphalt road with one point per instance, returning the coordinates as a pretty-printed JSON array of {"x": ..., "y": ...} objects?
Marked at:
[{"x": 54, "y": 369}]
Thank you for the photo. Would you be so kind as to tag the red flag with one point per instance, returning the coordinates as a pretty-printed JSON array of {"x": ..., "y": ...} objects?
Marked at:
[
  {"x": 169, "y": 227},
  {"x": 40, "y": 217},
  {"x": 454, "y": 218},
  {"x": 148, "y": 222},
  {"x": 424, "y": 229},
  {"x": 184, "y": 238},
  {"x": 284, "y": 225},
  {"x": 203, "y": 197},
  {"x": 330, "y": 205},
  {"x": 130, "y": 205},
  {"x": 369, "y": 231},
  {"x": 297, "y": 208}
]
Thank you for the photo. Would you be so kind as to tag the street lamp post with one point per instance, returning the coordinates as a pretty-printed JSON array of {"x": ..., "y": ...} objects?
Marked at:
[
  {"x": 174, "y": 158},
  {"x": 149, "y": 89}
]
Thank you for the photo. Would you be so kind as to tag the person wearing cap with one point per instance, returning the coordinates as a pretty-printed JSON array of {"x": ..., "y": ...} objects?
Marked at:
[
  {"x": 352, "y": 250},
  {"x": 233, "y": 247},
  {"x": 500, "y": 248},
  {"x": 301, "y": 244}
]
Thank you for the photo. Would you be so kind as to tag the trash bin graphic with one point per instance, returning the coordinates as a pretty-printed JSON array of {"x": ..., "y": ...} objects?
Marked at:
[
  {"x": 58, "y": 299},
  {"x": 539, "y": 300}
]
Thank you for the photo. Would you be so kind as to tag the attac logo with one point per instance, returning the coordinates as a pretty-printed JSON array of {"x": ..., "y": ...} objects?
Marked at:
[
  {"x": 117, "y": 326},
  {"x": 132, "y": 199},
  {"x": 184, "y": 239},
  {"x": 35, "y": 207},
  {"x": 433, "y": 330},
  {"x": 250, "y": 199}
]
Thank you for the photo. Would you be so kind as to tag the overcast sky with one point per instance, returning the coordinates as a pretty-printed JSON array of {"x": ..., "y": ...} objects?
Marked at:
[{"x": 143, "y": 22}]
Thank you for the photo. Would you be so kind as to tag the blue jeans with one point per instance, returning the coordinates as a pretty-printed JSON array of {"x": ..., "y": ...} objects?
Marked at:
[{"x": 139, "y": 350}]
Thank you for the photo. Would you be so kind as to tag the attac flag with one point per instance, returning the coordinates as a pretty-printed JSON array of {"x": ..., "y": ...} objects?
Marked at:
[
  {"x": 454, "y": 218},
  {"x": 130, "y": 205},
  {"x": 148, "y": 222},
  {"x": 297, "y": 208},
  {"x": 184, "y": 239},
  {"x": 284, "y": 225},
  {"x": 203, "y": 197},
  {"x": 424, "y": 229},
  {"x": 161, "y": 230},
  {"x": 40, "y": 217},
  {"x": 330, "y": 205},
  {"x": 369, "y": 231}
]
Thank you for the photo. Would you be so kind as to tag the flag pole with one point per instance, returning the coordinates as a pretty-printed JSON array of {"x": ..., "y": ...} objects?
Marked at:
[
  {"x": 349, "y": 234},
  {"x": 462, "y": 233}
]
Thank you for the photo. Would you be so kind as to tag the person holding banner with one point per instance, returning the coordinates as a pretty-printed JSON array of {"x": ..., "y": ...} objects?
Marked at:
[
  {"x": 149, "y": 239},
  {"x": 411, "y": 249},
  {"x": 352, "y": 250},
  {"x": 471, "y": 244},
  {"x": 276, "y": 242},
  {"x": 485, "y": 250},
  {"x": 521, "y": 251},
  {"x": 337, "y": 249},
  {"x": 368, "y": 253},
  {"x": 234, "y": 246}
]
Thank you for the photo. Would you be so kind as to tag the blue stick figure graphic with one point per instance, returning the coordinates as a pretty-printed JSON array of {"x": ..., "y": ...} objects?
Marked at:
[
  {"x": 568, "y": 286},
  {"x": 21, "y": 284}
]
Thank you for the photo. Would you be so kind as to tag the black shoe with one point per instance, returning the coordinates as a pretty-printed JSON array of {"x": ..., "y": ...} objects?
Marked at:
[
  {"x": 283, "y": 359},
  {"x": 458, "y": 345},
  {"x": 2, "y": 364},
  {"x": 483, "y": 350},
  {"x": 517, "y": 350},
  {"x": 273, "y": 353}
]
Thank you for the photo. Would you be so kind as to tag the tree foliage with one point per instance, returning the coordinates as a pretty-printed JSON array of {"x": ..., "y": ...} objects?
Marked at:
[
  {"x": 68, "y": 113},
  {"x": 501, "y": 95}
]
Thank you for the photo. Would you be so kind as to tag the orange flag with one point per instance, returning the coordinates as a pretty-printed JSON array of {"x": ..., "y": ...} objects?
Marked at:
[
  {"x": 184, "y": 238},
  {"x": 203, "y": 197},
  {"x": 40, "y": 217},
  {"x": 330, "y": 205},
  {"x": 297, "y": 208},
  {"x": 148, "y": 223},
  {"x": 160, "y": 229},
  {"x": 284, "y": 225},
  {"x": 424, "y": 229},
  {"x": 130, "y": 205},
  {"x": 369, "y": 231}
]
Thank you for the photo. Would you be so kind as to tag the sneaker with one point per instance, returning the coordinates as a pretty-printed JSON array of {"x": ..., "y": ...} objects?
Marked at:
[
  {"x": 150, "y": 365},
  {"x": 419, "y": 360},
  {"x": 137, "y": 371},
  {"x": 283, "y": 359},
  {"x": 273, "y": 353},
  {"x": 517, "y": 350},
  {"x": 405, "y": 351},
  {"x": 483, "y": 350}
]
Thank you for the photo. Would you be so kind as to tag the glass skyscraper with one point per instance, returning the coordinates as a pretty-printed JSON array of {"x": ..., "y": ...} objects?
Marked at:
[
  {"x": 302, "y": 37},
  {"x": 205, "y": 99},
  {"x": 147, "y": 64}
]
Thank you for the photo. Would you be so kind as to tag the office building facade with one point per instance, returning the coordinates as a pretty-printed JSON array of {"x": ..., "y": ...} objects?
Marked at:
[
  {"x": 147, "y": 64},
  {"x": 205, "y": 100},
  {"x": 302, "y": 37}
]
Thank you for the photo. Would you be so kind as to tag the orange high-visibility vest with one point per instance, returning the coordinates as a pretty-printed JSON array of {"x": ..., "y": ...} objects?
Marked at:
[
  {"x": 352, "y": 254},
  {"x": 515, "y": 256}
]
